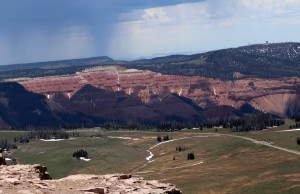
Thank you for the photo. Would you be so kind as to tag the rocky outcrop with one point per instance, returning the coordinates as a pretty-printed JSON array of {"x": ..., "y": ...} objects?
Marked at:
[
  {"x": 41, "y": 170},
  {"x": 274, "y": 96},
  {"x": 2, "y": 160},
  {"x": 26, "y": 179}
]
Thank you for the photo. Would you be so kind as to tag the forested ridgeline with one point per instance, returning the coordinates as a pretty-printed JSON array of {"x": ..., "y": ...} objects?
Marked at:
[
  {"x": 260, "y": 60},
  {"x": 248, "y": 123},
  {"x": 243, "y": 124}
]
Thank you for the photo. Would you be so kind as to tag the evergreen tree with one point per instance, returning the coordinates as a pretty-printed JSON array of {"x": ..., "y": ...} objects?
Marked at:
[
  {"x": 191, "y": 156},
  {"x": 80, "y": 153},
  {"x": 158, "y": 138}
]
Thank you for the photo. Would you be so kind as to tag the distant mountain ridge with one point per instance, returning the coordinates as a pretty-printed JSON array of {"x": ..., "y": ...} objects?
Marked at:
[
  {"x": 59, "y": 63},
  {"x": 52, "y": 68},
  {"x": 257, "y": 61}
]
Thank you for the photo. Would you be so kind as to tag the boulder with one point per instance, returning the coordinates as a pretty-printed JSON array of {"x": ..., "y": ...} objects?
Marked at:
[
  {"x": 174, "y": 191},
  {"x": 2, "y": 160},
  {"x": 95, "y": 190},
  {"x": 42, "y": 172},
  {"x": 125, "y": 176}
]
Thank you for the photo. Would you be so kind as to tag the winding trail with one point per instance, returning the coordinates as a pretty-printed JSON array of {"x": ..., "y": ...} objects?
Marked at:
[
  {"x": 163, "y": 142},
  {"x": 264, "y": 143},
  {"x": 254, "y": 141},
  {"x": 201, "y": 135},
  {"x": 226, "y": 135}
]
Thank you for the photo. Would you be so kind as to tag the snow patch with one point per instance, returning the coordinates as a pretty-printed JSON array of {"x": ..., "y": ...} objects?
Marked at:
[
  {"x": 113, "y": 137},
  {"x": 92, "y": 102},
  {"x": 295, "y": 51},
  {"x": 272, "y": 127},
  {"x": 289, "y": 130},
  {"x": 52, "y": 139},
  {"x": 84, "y": 159}
]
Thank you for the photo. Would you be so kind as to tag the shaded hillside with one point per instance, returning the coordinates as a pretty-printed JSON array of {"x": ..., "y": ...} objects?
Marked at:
[
  {"x": 95, "y": 106},
  {"x": 21, "y": 108},
  {"x": 91, "y": 106},
  {"x": 98, "y": 106}
]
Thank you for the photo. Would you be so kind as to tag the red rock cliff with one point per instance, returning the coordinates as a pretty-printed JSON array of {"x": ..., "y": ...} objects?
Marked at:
[{"x": 268, "y": 95}]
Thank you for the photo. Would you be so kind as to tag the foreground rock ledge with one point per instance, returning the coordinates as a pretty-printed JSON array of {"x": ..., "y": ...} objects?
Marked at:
[{"x": 27, "y": 179}]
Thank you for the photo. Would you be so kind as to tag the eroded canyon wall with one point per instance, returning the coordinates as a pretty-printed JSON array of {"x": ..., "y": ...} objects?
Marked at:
[{"x": 268, "y": 95}]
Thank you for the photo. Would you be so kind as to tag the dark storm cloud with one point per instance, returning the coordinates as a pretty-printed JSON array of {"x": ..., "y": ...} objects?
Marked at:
[{"x": 33, "y": 30}]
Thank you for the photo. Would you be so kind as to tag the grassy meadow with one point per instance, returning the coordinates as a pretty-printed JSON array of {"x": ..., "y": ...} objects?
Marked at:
[{"x": 221, "y": 165}]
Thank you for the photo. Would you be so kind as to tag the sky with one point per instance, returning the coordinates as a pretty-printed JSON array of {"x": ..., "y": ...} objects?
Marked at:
[{"x": 43, "y": 30}]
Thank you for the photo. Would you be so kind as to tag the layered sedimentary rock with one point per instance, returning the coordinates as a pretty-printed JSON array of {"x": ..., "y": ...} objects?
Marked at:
[
  {"x": 26, "y": 179},
  {"x": 274, "y": 96}
]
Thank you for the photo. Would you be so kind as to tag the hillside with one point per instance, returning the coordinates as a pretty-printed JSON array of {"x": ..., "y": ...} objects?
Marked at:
[
  {"x": 113, "y": 93},
  {"x": 257, "y": 61},
  {"x": 253, "y": 61},
  {"x": 21, "y": 108}
]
